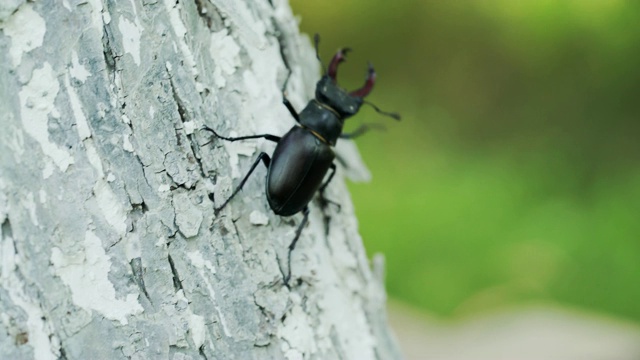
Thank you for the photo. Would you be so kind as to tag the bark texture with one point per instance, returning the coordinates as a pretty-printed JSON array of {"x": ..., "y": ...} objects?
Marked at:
[{"x": 109, "y": 245}]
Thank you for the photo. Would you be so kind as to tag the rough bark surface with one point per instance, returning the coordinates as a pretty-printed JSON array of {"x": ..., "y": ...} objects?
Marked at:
[{"x": 109, "y": 245}]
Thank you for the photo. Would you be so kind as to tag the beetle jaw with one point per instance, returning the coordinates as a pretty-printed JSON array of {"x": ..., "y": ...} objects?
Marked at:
[
  {"x": 368, "y": 84},
  {"x": 339, "y": 58}
]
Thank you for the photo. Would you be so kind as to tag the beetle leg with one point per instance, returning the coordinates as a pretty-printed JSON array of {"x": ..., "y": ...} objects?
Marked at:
[
  {"x": 290, "y": 107},
  {"x": 262, "y": 157},
  {"x": 262, "y": 136},
  {"x": 368, "y": 85},
  {"x": 323, "y": 200},
  {"x": 305, "y": 212},
  {"x": 339, "y": 57},
  {"x": 333, "y": 172},
  {"x": 361, "y": 130}
]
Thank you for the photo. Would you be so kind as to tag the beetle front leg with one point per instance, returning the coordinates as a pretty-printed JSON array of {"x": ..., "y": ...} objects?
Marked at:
[
  {"x": 262, "y": 157},
  {"x": 269, "y": 137},
  {"x": 305, "y": 212}
]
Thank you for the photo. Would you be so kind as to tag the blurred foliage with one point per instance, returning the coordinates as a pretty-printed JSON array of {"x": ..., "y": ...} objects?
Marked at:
[{"x": 514, "y": 174}]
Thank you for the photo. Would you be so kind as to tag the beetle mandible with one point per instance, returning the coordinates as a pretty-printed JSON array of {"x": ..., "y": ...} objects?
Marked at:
[{"x": 304, "y": 155}]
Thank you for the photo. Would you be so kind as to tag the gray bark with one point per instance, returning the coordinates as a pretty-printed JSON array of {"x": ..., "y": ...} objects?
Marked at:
[{"x": 109, "y": 246}]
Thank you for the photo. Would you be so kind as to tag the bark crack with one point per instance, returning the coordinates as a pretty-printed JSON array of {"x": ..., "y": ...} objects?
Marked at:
[
  {"x": 63, "y": 353},
  {"x": 177, "y": 283},
  {"x": 110, "y": 58},
  {"x": 138, "y": 276},
  {"x": 135, "y": 214},
  {"x": 210, "y": 15},
  {"x": 201, "y": 352},
  {"x": 184, "y": 117},
  {"x": 7, "y": 232}
]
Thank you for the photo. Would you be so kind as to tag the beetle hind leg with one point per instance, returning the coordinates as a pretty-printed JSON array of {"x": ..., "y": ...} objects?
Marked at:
[
  {"x": 266, "y": 160},
  {"x": 323, "y": 199},
  {"x": 304, "y": 221}
]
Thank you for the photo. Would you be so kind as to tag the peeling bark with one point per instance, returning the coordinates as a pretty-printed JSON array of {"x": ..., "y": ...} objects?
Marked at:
[{"x": 109, "y": 245}]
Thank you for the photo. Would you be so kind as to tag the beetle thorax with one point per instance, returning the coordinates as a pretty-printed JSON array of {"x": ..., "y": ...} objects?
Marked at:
[
  {"x": 333, "y": 96},
  {"x": 322, "y": 121}
]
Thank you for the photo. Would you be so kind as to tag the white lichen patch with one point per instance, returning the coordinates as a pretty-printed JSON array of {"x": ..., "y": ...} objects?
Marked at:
[
  {"x": 337, "y": 306},
  {"x": 203, "y": 265},
  {"x": 87, "y": 276},
  {"x": 97, "y": 15},
  {"x": 48, "y": 169},
  {"x": 188, "y": 217},
  {"x": 189, "y": 127},
  {"x": 224, "y": 50},
  {"x": 298, "y": 333},
  {"x": 82, "y": 126},
  {"x": 173, "y": 8},
  {"x": 29, "y": 203},
  {"x": 235, "y": 149},
  {"x": 77, "y": 70},
  {"x": 39, "y": 329},
  {"x": 42, "y": 194},
  {"x": 132, "y": 246},
  {"x": 247, "y": 25},
  {"x": 26, "y": 28},
  {"x": 111, "y": 207},
  {"x": 258, "y": 218},
  {"x": 37, "y": 102},
  {"x": 126, "y": 143},
  {"x": 198, "y": 261},
  {"x": 197, "y": 329},
  {"x": 131, "y": 34},
  {"x": 13, "y": 138},
  {"x": 94, "y": 158},
  {"x": 37, "y": 325}
]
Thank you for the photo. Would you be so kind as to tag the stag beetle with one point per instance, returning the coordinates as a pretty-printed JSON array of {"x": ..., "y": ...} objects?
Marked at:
[{"x": 304, "y": 155}]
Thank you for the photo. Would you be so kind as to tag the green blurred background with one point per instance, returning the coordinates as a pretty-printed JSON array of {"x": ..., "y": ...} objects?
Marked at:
[{"x": 514, "y": 175}]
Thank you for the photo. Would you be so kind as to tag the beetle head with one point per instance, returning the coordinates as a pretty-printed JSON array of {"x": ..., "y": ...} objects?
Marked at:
[{"x": 345, "y": 103}]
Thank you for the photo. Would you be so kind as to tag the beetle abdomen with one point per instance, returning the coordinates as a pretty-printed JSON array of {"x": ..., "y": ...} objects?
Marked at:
[{"x": 298, "y": 166}]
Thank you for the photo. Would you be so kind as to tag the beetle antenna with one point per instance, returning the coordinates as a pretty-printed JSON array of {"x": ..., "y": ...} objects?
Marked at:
[
  {"x": 316, "y": 43},
  {"x": 393, "y": 115}
]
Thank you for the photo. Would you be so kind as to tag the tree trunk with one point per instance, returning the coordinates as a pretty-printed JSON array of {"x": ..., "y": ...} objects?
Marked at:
[{"x": 109, "y": 244}]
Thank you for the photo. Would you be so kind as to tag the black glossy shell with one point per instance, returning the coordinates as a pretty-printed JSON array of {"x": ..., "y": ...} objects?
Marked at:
[
  {"x": 321, "y": 120},
  {"x": 330, "y": 94},
  {"x": 298, "y": 166}
]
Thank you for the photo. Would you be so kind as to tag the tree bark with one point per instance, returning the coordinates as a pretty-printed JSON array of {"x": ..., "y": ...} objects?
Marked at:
[{"x": 109, "y": 245}]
